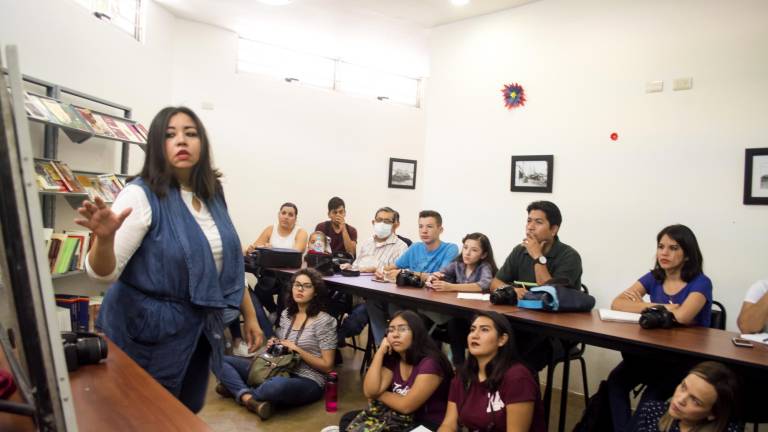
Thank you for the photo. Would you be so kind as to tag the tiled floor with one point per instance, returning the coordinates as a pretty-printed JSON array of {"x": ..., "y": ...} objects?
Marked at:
[{"x": 223, "y": 415}]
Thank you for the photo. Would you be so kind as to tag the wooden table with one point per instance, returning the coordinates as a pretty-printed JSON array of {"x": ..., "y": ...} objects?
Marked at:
[{"x": 118, "y": 395}]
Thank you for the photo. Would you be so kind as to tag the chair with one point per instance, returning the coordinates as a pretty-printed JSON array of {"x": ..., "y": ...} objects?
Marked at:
[
  {"x": 717, "y": 320},
  {"x": 405, "y": 240},
  {"x": 571, "y": 351}
]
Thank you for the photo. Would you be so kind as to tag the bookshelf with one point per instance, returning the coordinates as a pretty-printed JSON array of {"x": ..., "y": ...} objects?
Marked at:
[{"x": 61, "y": 119}]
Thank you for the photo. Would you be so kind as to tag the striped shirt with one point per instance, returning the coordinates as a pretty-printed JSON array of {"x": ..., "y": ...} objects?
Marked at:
[
  {"x": 319, "y": 334},
  {"x": 378, "y": 254}
]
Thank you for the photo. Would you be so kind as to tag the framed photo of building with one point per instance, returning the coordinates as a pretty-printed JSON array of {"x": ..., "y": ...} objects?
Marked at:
[
  {"x": 756, "y": 176},
  {"x": 532, "y": 173},
  {"x": 402, "y": 173}
]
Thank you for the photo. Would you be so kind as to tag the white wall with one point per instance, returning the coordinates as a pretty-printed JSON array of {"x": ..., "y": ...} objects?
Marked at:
[
  {"x": 679, "y": 157},
  {"x": 278, "y": 142},
  {"x": 61, "y": 42}
]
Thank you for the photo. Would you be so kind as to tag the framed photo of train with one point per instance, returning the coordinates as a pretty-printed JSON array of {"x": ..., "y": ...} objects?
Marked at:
[{"x": 532, "y": 173}]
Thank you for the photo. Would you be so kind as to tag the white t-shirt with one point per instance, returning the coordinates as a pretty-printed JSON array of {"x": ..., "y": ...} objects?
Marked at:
[
  {"x": 130, "y": 235},
  {"x": 756, "y": 292},
  {"x": 287, "y": 242}
]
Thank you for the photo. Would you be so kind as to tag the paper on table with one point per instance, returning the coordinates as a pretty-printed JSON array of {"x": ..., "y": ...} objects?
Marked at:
[
  {"x": 756, "y": 337},
  {"x": 473, "y": 296},
  {"x": 619, "y": 316}
]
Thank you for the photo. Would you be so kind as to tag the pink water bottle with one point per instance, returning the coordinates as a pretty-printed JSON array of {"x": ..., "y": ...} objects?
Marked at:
[{"x": 331, "y": 392}]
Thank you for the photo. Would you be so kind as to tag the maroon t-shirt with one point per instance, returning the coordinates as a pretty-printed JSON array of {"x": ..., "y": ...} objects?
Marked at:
[
  {"x": 433, "y": 409},
  {"x": 478, "y": 408},
  {"x": 337, "y": 239}
]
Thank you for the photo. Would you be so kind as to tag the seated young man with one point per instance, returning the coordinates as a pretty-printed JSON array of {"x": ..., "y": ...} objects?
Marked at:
[
  {"x": 423, "y": 258},
  {"x": 343, "y": 236},
  {"x": 540, "y": 257},
  {"x": 378, "y": 251}
]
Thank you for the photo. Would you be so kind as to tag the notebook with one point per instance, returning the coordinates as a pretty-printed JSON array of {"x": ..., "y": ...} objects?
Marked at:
[
  {"x": 619, "y": 316},
  {"x": 756, "y": 337}
]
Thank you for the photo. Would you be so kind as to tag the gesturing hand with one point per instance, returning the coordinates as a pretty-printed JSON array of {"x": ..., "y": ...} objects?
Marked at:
[{"x": 100, "y": 219}]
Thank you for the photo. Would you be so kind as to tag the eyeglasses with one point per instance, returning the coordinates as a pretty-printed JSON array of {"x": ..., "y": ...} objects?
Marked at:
[
  {"x": 402, "y": 328},
  {"x": 306, "y": 286},
  {"x": 386, "y": 221}
]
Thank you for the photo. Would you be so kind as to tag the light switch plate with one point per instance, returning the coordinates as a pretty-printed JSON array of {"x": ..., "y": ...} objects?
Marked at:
[
  {"x": 654, "y": 86},
  {"x": 682, "y": 83}
]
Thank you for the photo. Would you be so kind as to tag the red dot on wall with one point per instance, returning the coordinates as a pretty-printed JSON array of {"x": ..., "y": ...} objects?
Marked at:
[{"x": 614, "y": 136}]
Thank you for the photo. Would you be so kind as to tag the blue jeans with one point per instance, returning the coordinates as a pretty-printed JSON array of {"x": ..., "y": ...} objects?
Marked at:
[
  {"x": 231, "y": 316},
  {"x": 289, "y": 391}
]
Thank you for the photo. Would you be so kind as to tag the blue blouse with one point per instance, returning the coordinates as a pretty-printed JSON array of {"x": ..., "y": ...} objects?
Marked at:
[{"x": 700, "y": 284}]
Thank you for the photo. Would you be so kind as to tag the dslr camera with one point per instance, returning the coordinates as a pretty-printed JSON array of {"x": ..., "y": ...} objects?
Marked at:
[
  {"x": 657, "y": 317},
  {"x": 505, "y": 295},
  {"x": 83, "y": 348},
  {"x": 277, "y": 349},
  {"x": 409, "y": 278}
]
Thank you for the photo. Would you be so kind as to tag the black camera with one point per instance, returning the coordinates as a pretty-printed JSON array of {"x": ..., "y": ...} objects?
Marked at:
[
  {"x": 278, "y": 349},
  {"x": 505, "y": 295},
  {"x": 83, "y": 348},
  {"x": 657, "y": 317},
  {"x": 408, "y": 278}
]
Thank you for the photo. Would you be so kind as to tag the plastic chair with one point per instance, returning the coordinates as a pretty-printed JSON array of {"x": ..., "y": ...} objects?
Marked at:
[{"x": 572, "y": 351}]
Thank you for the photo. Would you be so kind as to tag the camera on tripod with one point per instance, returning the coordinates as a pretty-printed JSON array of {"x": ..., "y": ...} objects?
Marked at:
[{"x": 83, "y": 348}]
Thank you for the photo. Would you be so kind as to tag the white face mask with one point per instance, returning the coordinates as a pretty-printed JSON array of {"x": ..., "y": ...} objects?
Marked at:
[{"x": 382, "y": 230}]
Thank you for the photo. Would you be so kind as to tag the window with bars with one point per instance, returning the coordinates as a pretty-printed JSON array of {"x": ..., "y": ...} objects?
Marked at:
[{"x": 323, "y": 72}]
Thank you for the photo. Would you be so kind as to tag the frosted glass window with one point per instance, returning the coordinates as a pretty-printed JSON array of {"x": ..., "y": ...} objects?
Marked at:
[
  {"x": 124, "y": 14},
  {"x": 308, "y": 69},
  {"x": 385, "y": 86}
]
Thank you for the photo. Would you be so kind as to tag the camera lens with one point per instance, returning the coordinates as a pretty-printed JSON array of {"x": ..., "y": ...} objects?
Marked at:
[{"x": 91, "y": 350}]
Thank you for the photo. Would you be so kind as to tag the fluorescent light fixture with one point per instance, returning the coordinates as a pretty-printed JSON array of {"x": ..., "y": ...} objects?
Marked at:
[
  {"x": 457, "y": 2},
  {"x": 276, "y": 2}
]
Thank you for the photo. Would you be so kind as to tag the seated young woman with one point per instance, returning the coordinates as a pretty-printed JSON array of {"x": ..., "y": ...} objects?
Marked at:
[
  {"x": 471, "y": 271},
  {"x": 408, "y": 375},
  {"x": 305, "y": 329},
  {"x": 287, "y": 234},
  {"x": 493, "y": 391},
  {"x": 678, "y": 283},
  {"x": 705, "y": 400}
]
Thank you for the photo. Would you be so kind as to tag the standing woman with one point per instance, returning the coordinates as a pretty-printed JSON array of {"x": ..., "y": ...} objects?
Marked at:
[
  {"x": 493, "y": 391},
  {"x": 171, "y": 249},
  {"x": 677, "y": 282}
]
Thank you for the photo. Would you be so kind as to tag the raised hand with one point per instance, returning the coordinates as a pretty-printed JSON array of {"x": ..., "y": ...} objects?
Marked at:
[{"x": 100, "y": 219}]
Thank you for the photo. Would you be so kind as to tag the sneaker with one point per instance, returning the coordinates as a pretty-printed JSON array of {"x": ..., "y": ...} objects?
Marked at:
[
  {"x": 263, "y": 409},
  {"x": 223, "y": 392},
  {"x": 242, "y": 350}
]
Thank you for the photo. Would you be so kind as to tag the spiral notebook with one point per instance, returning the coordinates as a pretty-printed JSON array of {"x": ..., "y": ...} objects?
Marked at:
[{"x": 619, "y": 316}]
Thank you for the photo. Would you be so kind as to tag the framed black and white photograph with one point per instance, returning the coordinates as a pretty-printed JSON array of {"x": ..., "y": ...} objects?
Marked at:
[
  {"x": 402, "y": 173},
  {"x": 756, "y": 176},
  {"x": 532, "y": 173}
]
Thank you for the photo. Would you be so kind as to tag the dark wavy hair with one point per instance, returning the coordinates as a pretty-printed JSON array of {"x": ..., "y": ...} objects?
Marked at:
[
  {"x": 726, "y": 385},
  {"x": 503, "y": 360},
  {"x": 422, "y": 344},
  {"x": 485, "y": 245},
  {"x": 318, "y": 302},
  {"x": 157, "y": 171},
  {"x": 694, "y": 261}
]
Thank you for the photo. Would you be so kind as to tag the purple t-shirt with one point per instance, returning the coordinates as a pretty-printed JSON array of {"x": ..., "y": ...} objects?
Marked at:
[
  {"x": 700, "y": 284},
  {"x": 433, "y": 409},
  {"x": 337, "y": 239},
  {"x": 478, "y": 409}
]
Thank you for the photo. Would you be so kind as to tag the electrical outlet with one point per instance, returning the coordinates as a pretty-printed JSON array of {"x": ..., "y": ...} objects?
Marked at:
[{"x": 682, "y": 83}]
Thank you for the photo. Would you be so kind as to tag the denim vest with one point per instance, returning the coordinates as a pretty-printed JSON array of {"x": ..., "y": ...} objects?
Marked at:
[{"x": 170, "y": 292}]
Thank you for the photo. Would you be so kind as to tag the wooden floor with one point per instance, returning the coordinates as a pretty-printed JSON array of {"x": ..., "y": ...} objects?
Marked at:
[{"x": 223, "y": 415}]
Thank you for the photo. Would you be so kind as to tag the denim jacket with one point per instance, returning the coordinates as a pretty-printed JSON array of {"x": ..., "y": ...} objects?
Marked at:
[{"x": 170, "y": 292}]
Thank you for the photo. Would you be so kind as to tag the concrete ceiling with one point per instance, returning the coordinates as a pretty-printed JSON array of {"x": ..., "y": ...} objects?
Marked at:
[{"x": 424, "y": 14}]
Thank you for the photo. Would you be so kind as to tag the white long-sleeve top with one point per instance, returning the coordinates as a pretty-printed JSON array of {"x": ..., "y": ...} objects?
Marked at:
[{"x": 130, "y": 235}]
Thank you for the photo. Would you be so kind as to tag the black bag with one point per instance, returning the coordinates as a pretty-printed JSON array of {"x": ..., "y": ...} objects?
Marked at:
[
  {"x": 273, "y": 258},
  {"x": 320, "y": 262}
]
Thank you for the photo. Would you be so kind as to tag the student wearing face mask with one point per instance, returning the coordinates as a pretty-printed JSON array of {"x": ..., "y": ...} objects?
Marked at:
[{"x": 376, "y": 252}]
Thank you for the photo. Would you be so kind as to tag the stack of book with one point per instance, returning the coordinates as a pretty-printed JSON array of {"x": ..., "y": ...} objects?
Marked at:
[
  {"x": 67, "y": 250},
  {"x": 78, "y": 310},
  {"x": 82, "y": 123},
  {"x": 56, "y": 176}
]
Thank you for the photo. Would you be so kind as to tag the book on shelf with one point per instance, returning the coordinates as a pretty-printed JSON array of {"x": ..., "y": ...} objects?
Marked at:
[
  {"x": 95, "y": 121},
  {"x": 114, "y": 128},
  {"x": 68, "y": 177},
  {"x": 67, "y": 251},
  {"x": 110, "y": 186},
  {"x": 35, "y": 108},
  {"x": 48, "y": 177},
  {"x": 78, "y": 309}
]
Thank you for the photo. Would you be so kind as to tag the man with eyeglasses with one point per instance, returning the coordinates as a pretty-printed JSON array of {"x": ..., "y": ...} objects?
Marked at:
[{"x": 376, "y": 252}]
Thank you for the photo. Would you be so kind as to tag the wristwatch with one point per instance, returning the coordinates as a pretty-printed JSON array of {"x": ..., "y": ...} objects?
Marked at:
[{"x": 540, "y": 260}]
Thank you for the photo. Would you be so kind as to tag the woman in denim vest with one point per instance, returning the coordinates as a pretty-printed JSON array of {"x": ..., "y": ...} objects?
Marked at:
[{"x": 170, "y": 248}]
